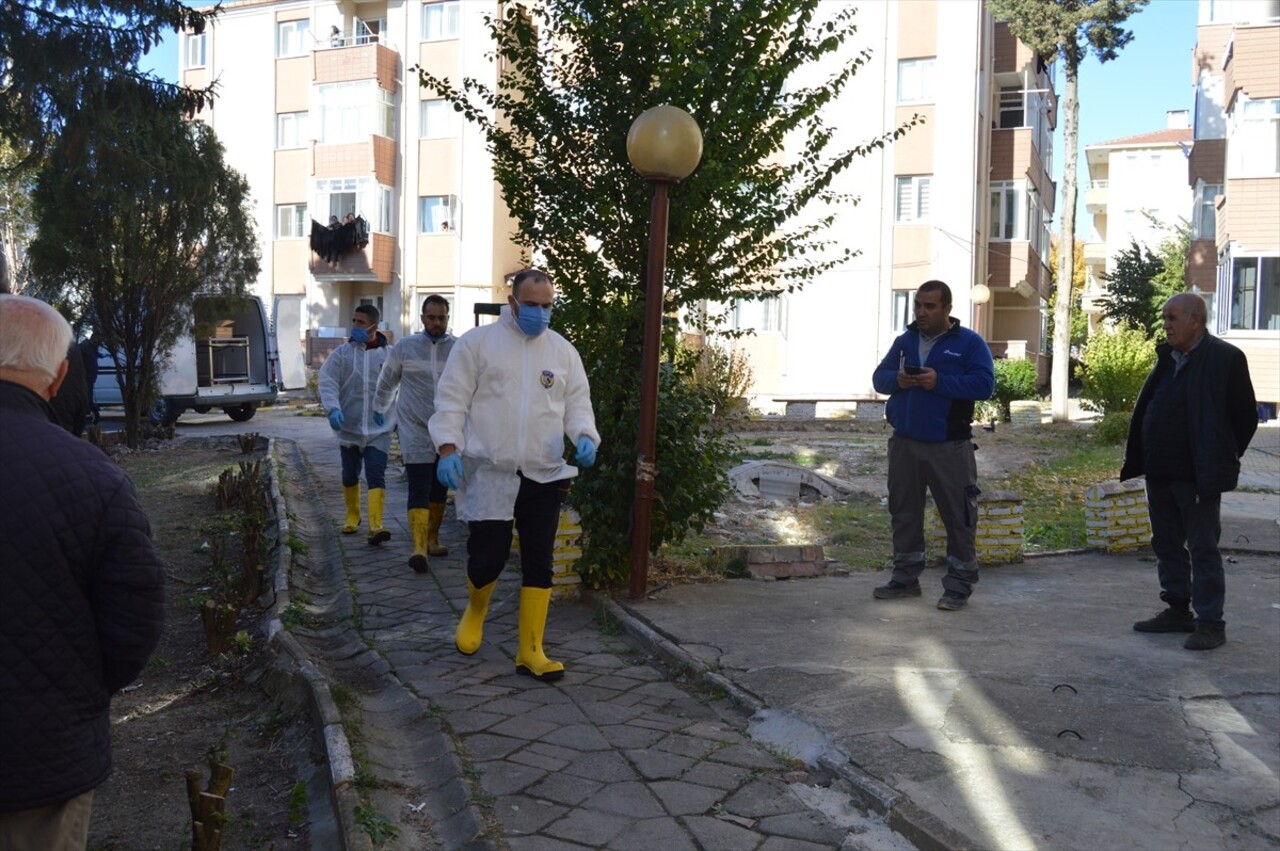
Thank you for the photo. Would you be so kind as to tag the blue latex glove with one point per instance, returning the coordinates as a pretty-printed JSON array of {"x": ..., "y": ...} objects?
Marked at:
[
  {"x": 336, "y": 419},
  {"x": 449, "y": 471},
  {"x": 379, "y": 419},
  {"x": 586, "y": 452}
]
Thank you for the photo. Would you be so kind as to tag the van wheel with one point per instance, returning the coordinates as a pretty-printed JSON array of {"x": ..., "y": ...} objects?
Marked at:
[
  {"x": 202, "y": 409},
  {"x": 242, "y": 413},
  {"x": 163, "y": 412}
]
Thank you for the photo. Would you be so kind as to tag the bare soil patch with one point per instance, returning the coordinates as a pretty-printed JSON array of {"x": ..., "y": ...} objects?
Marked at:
[{"x": 187, "y": 706}]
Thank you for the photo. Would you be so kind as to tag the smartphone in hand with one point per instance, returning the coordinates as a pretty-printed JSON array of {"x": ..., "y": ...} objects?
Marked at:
[{"x": 913, "y": 370}]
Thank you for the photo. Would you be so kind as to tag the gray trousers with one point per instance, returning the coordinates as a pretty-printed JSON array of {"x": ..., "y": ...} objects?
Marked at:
[
  {"x": 950, "y": 472},
  {"x": 1184, "y": 535}
]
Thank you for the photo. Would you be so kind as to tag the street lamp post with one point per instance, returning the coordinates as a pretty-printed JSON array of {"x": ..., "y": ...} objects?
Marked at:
[
  {"x": 664, "y": 144},
  {"x": 979, "y": 295}
]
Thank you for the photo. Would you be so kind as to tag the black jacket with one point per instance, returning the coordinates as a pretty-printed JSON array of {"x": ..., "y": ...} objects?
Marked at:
[
  {"x": 81, "y": 603},
  {"x": 1222, "y": 414}
]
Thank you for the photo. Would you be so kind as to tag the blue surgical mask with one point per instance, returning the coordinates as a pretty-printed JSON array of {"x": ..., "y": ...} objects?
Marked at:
[
  {"x": 533, "y": 320},
  {"x": 359, "y": 334}
]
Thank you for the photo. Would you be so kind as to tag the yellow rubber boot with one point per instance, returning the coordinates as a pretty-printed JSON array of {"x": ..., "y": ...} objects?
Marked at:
[
  {"x": 530, "y": 659},
  {"x": 471, "y": 628},
  {"x": 377, "y": 500},
  {"x": 433, "y": 530},
  {"x": 418, "y": 521},
  {"x": 351, "y": 496}
]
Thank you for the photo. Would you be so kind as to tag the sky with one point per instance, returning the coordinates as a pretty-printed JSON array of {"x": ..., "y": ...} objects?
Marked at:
[
  {"x": 1124, "y": 97},
  {"x": 1131, "y": 94}
]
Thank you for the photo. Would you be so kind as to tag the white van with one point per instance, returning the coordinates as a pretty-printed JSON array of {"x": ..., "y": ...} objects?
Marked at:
[{"x": 234, "y": 365}]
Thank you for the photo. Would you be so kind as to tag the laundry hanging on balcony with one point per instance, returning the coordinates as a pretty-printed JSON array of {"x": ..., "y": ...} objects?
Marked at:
[{"x": 338, "y": 238}]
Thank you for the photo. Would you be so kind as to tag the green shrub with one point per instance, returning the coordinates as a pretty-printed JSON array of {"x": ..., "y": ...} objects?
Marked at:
[
  {"x": 1113, "y": 368},
  {"x": 1015, "y": 380},
  {"x": 1113, "y": 428}
]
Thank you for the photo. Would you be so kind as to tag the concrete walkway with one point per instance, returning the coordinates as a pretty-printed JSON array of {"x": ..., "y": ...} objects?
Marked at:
[
  {"x": 617, "y": 755},
  {"x": 1035, "y": 718}
]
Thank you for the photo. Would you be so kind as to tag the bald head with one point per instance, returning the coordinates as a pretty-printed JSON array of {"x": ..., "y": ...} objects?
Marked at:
[
  {"x": 1185, "y": 316},
  {"x": 34, "y": 339}
]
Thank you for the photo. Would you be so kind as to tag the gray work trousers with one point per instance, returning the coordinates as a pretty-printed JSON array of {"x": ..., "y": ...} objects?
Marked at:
[{"x": 950, "y": 472}]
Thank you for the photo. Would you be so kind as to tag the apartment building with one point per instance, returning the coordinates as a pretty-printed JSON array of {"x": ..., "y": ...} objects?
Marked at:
[
  {"x": 318, "y": 108},
  {"x": 1136, "y": 193},
  {"x": 965, "y": 197},
  {"x": 1234, "y": 173}
]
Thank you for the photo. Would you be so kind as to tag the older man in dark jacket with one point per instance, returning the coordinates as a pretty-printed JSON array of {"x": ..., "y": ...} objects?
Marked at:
[
  {"x": 81, "y": 593},
  {"x": 1193, "y": 420}
]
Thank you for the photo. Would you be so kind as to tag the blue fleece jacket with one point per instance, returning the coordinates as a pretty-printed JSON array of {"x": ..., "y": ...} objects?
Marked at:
[{"x": 965, "y": 375}]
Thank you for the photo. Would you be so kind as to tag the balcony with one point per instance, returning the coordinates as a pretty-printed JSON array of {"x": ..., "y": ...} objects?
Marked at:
[
  {"x": 1095, "y": 197},
  {"x": 341, "y": 64},
  {"x": 1095, "y": 253},
  {"x": 351, "y": 259}
]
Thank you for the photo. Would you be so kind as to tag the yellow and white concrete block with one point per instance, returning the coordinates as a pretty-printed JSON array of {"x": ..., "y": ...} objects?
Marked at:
[
  {"x": 1001, "y": 535},
  {"x": 1115, "y": 516}
]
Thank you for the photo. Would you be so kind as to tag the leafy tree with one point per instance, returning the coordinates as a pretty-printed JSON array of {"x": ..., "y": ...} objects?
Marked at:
[
  {"x": 135, "y": 218},
  {"x": 1113, "y": 369},
  {"x": 1144, "y": 280},
  {"x": 1079, "y": 321},
  {"x": 749, "y": 223},
  {"x": 1068, "y": 30},
  {"x": 16, "y": 225},
  {"x": 1131, "y": 291},
  {"x": 64, "y": 57}
]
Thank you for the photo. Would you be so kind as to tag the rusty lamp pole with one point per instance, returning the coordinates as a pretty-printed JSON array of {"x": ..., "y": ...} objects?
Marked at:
[{"x": 664, "y": 144}]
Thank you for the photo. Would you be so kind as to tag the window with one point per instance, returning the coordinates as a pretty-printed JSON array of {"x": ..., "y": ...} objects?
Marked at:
[
  {"x": 291, "y": 130},
  {"x": 1009, "y": 211},
  {"x": 762, "y": 314},
  {"x": 1255, "y": 294},
  {"x": 903, "y": 303},
  {"x": 1204, "y": 223},
  {"x": 912, "y": 199},
  {"x": 1253, "y": 138},
  {"x": 351, "y": 112},
  {"x": 438, "y": 214},
  {"x": 193, "y": 50},
  {"x": 370, "y": 31},
  {"x": 1012, "y": 107},
  {"x": 915, "y": 80},
  {"x": 440, "y": 20},
  {"x": 361, "y": 196},
  {"x": 438, "y": 119},
  {"x": 291, "y": 221},
  {"x": 292, "y": 38}
]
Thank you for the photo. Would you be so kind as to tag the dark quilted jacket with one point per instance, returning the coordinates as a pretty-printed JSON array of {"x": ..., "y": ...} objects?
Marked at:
[{"x": 81, "y": 603}]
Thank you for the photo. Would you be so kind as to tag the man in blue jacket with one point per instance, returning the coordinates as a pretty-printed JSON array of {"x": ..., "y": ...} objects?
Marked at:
[
  {"x": 81, "y": 593},
  {"x": 933, "y": 373}
]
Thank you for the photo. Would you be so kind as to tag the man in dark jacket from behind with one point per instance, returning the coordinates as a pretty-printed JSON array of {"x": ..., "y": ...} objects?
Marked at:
[
  {"x": 1193, "y": 420},
  {"x": 81, "y": 593}
]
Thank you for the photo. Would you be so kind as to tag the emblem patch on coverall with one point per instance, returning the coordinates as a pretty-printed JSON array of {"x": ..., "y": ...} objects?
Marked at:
[{"x": 548, "y": 378}]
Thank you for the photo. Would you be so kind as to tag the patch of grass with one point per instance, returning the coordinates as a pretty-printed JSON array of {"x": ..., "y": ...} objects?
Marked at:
[
  {"x": 297, "y": 803},
  {"x": 380, "y": 828},
  {"x": 344, "y": 697},
  {"x": 1053, "y": 493},
  {"x": 857, "y": 530},
  {"x": 607, "y": 623},
  {"x": 297, "y": 546}
]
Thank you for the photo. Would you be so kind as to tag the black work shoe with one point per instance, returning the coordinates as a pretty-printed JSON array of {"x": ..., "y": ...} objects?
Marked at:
[
  {"x": 952, "y": 602},
  {"x": 1170, "y": 620},
  {"x": 379, "y": 537},
  {"x": 896, "y": 590},
  {"x": 1205, "y": 638}
]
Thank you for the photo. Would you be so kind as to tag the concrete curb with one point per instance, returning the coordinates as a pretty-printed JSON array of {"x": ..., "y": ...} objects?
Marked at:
[
  {"x": 921, "y": 828},
  {"x": 294, "y": 670}
]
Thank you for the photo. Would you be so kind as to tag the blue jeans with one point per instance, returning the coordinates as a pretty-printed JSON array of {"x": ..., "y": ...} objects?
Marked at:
[
  {"x": 375, "y": 466},
  {"x": 1184, "y": 535}
]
